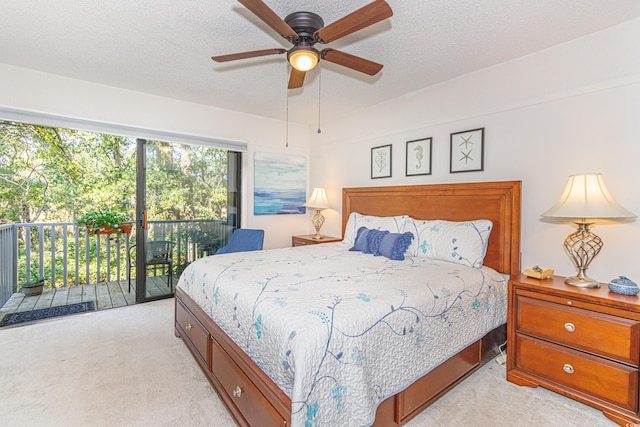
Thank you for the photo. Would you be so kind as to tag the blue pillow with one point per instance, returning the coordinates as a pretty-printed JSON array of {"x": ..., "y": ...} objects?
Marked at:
[
  {"x": 394, "y": 245},
  {"x": 374, "y": 238},
  {"x": 361, "y": 240}
]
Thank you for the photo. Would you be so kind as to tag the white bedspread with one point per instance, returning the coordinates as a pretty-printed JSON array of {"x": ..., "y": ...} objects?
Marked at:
[{"x": 340, "y": 331}]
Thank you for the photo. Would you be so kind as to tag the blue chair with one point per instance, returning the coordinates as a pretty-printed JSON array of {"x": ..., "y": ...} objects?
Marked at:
[{"x": 243, "y": 240}]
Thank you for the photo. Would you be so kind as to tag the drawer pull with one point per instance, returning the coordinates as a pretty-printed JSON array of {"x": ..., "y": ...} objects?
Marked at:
[
  {"x": 570, "y": 327},
  {"x": 237, "y": 392},
  {"x": 567, "y": 368},
  {"x": 188, "y": 327}
]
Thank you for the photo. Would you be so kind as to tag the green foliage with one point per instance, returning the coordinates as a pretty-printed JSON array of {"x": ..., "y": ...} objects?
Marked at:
[
  {"x": 57, "y": 175},
  {"x": 53, "y": 175},
  {"x": 35, "y": 282},
  {"x": 103, "y": 218}
]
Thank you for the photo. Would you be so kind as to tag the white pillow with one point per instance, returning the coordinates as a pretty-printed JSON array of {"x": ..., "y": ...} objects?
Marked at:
[
  {"x": 460, "y": 242},
  {"x": 393, "y": 224}
]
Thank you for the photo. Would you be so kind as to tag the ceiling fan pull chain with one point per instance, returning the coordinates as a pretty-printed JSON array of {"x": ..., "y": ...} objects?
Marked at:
[
  {"x": 319, "y": 90},
  {"x": 287, "y": 115}
]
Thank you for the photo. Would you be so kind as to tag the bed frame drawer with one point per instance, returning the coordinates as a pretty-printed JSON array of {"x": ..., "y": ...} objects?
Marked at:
[
  {"x": 421, "y": 393},
  {"x": 241, "y": 391},
  {"x": 195, "y": 334},
  {"x": 598, "y": 333},
  {"x": 579, "y": 371}
]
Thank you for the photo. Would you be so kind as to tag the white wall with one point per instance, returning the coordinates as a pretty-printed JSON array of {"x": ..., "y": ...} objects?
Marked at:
[
  {"x": 574, "y": 108},
  {"x": 47, "y": 93},
  {"x": 569, "y": 109}
]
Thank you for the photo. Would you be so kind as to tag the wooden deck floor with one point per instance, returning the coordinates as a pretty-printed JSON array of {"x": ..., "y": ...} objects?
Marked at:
[{"x": 105, "y": 295}]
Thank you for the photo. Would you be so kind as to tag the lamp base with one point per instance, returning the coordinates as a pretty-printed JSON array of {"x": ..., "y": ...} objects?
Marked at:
[
  {"x": 582, "y": 247},
  {"x": 582, "y": 282},
  {"x": 317, "y": 219}
]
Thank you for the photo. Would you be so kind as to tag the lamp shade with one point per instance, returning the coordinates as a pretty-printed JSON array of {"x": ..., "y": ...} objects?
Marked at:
[
  {"x": 586, "y": 196},
  {"x": 303, "y": 59},
  {"x": 318, "y": 199}
]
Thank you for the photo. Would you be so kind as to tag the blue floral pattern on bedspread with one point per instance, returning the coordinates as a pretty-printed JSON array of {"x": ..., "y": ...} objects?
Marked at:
[{"x": 341, "y": 331}]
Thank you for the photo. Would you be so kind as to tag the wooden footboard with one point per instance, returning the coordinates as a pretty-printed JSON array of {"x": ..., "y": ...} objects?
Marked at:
[{"x": 254, "y": 399}]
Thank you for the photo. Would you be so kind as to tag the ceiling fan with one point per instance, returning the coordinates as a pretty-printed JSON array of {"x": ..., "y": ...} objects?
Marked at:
[{"x": 305, "y": 29}]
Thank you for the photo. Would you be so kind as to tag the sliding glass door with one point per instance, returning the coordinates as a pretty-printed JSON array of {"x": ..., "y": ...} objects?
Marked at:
[
  {"x": 188, "y": 199},
  {"x": 64, "y": 185}
]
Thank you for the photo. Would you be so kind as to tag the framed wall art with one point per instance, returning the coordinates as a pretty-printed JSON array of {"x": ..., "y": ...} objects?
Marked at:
[
  {"x": 418, "y": 157},
  {"x": 381, "y": 162},
  {"x": 467, "y": 151},
  {"x": 280, "y": 184}
]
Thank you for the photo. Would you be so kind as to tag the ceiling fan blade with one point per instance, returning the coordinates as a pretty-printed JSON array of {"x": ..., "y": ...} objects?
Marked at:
[
  {"x": 243, "y": 55},
  {"x": 361, "y": 18},
  {"x": 296, "y": 79},
  {"x": 269, "y": 17},
  {"x": 351, "y": 61}
]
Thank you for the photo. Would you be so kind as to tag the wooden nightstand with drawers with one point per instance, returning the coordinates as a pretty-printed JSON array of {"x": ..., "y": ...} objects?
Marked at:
[
  {"x": 307, "y": 239},
  {"x": 582, "y": 343}
]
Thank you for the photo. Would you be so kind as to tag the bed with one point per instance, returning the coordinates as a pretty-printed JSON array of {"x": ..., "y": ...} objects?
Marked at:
[{"x": 249, "y": 386}]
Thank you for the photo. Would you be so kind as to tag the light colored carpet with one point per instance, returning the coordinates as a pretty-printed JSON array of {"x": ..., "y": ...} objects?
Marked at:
[{"x": 124, "y": 367}]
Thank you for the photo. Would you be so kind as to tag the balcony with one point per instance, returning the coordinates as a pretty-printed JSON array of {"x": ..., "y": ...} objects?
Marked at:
[{"x": 80, "y": 267}]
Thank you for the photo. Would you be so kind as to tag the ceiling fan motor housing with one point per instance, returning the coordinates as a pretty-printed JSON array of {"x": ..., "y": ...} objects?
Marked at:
[{"x": 305, "y": 24}]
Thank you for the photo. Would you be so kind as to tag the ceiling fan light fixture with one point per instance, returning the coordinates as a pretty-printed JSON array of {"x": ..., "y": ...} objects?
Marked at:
[
  {"x": 303, "y": 59},
  {"x": 304, "y": 29}
]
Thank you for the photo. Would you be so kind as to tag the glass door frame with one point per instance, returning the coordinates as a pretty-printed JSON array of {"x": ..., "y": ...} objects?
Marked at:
[
  {"x": 142, "y": 226},
  {"x": 234, "y": 210}
]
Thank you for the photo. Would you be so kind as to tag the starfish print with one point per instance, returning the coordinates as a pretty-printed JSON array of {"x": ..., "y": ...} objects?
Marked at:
[
  {"x": 466, "y": 157},
  {"x": 465, "y": 141}
]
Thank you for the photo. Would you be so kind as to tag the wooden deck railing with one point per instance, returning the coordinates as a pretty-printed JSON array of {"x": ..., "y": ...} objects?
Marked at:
[{"x": 64, "y": 254}]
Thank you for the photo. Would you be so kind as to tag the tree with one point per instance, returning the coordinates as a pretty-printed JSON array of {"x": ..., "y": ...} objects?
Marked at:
[
  {"x": 49, "y": 174},
  {"x": 57, "y": 175}
]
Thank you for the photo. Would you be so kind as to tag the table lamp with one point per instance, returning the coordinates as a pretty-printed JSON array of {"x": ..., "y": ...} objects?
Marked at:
[
  {"x": 318, "y": 201},
  {"x": 585, "y": 197}
]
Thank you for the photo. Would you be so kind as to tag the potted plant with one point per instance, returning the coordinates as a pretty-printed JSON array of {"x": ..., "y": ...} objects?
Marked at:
[
  {"x": 105, "y": 221},
  {"x": 33, "y": 287}
]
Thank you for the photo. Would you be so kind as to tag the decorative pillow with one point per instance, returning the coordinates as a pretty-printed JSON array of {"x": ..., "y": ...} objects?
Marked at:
[
  {"x": 394, "y": 245},
  {"x": 361, "y": 240},
  {"x": 374, "y": 238},
  {"x": 460, "y": 242},
  {"x": 393, "y": 224}
]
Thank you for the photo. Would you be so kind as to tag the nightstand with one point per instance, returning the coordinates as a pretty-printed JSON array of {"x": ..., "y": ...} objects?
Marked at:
[
  {"x": 307, "y": 239},
  {"x": 582, "y": 343}
]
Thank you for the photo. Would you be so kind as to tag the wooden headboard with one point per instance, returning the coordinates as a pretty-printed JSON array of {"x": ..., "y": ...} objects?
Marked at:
[{"x": 496, "y": 201}]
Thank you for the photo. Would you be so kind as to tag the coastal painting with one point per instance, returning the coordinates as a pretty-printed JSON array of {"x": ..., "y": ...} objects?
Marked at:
[{"x": 280, "y": 184}]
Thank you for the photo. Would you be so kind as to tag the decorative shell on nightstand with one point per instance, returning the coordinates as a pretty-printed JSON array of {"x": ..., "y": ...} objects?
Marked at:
[{"x": 623, "y": 285}]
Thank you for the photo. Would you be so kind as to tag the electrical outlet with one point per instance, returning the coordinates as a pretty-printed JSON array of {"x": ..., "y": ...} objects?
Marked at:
[{"x": 501, "y": 360}]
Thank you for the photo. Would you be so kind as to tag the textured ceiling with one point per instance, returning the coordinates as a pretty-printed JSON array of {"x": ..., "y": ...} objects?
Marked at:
[{"x": 164, "y": 47}]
